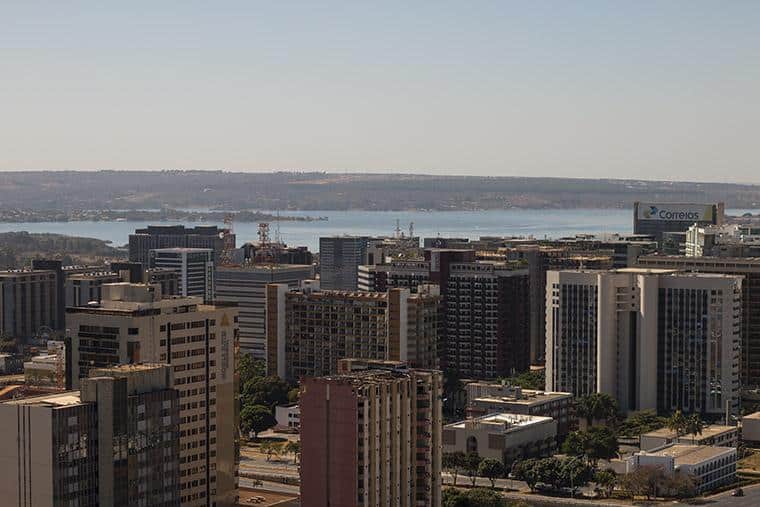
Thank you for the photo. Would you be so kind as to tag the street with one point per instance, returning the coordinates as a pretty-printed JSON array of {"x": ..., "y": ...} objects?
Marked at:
[{"x": 751, "y": 497}]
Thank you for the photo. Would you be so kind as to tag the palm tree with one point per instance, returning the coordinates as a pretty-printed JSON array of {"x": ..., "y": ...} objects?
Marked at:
[
  {"x": 597, "y": 407},
  {"x": 678, "y": 422},
  {"x": 694, "y": 426}
]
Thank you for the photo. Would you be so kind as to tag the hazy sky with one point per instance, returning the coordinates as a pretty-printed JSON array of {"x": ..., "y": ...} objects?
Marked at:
[{"x": 643, "y": 89}]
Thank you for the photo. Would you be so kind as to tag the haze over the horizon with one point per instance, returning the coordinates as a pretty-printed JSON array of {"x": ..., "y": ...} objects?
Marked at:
[{"x": 664, "y": 91}]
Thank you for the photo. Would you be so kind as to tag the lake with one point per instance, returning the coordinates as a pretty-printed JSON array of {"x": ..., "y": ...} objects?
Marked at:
[{"x": 539, "y": 223}]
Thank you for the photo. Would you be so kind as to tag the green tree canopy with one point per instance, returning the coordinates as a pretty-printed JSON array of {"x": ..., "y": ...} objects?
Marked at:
[
  {"x": 266, "y": 391},
  {"x": 492, "y": 469},
  {"x": 598, "y": 442},
  {"x": 641, "y": 422},
  {"x": 531, "y": 379},
  {"x": 453, "y": 463},
  {"x": 471, "y": 464},
  {"x": 476, "y": 497},
  {"x": 597, "y": 407},
  {"x": 678, "y": 423},
  {"x": 606, "y": 480},
  {"x": 256, "y": 418}
]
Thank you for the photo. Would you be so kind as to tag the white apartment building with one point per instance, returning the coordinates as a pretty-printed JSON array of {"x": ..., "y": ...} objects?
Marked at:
[{"x": 650, "y": 338}]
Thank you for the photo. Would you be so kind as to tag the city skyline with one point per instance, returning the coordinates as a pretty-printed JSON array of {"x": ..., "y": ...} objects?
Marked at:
[{"x": 551, "y": 89}]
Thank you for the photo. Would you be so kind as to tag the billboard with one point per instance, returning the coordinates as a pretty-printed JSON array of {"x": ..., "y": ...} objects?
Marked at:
[{"x": 680, "y": 212}]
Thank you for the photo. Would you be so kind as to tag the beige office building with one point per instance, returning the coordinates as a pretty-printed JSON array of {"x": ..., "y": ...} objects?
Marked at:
[
  {"x": 308, "y": 331},
  {"x": 502, "y": 436},
  {"x": 132, "y": 325},
  {"x": 650, "y": 338}
]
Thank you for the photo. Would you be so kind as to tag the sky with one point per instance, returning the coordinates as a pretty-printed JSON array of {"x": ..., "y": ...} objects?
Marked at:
[{"x": 638, "y": 89}]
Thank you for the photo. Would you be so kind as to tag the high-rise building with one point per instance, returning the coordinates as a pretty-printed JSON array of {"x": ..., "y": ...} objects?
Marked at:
[
  {"x": 135, "y": 272},
  {"x": 83, "y": 288},
  {"x": 176, "y": 236},
  {"x": 245, "y": 286},
  {"x": 749, "y": 270},
  {"x": 28, "y": 302},
  {"x": 309, "y": 331},
  {"x": 487, "y": 319},
  {"x": 339, "y": 261},
  {"x": 133, "y": 324},
  {"x": 652, "y": 339},
  {"x": 732, "y": 240},
  {"x": 195, "y": 267},
  {"x": 403, "y": 274},
  {"x": 56, "y": 266},
  {"x": 113, "y": 443},
  {"x": 657, "y": 218},
  {"x": 372, "y": 438}
]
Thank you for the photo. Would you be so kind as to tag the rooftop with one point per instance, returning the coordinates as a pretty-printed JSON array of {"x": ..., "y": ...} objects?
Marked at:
[
  {"x": 708, "y": 431},
  {"x": 50, "y": 400},
  {"x": 503, "y": 422},
  {"x": 685, "y": 454},
  {"x": 264, "y": 267},
  {"x": 183, "y": 250}
]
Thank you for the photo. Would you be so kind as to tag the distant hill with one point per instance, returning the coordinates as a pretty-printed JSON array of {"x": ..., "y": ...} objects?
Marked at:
[
  {"x": 18, "y": 248},
  {"x": 65, "y": 190}
]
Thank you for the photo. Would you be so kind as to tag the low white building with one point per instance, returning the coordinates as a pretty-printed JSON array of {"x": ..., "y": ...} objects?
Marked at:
[
  {"x": 503, "y": 436},
  {"x": 711, "y": 466},
  {"x": 288, "y": 416},
  {"x": 713, "y": 434},
  {"x": 751, "y": 427}
]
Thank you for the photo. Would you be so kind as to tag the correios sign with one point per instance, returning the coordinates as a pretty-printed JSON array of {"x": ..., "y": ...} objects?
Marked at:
[{"x": 676, "y": 212}]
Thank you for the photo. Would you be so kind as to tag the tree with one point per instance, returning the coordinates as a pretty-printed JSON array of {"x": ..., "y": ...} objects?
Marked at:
[
  {"x": 477, "y": 497},
  {"x": 573, "y": 473},
  {"x": 606, "y": 480},
  {"x": 526, "y": 471},
  {"x": 644, "y": 481},
  {"x": 481, "y": 497},
  {"x": 641, "y": 422},
  {"x": 575, "y": 444},
  {"x": 681, "y": 485},
  {"x": 266, "y": 448},
  {"x": 677, "y": 422},
  {"x": 267, "y": 391},
  {"x": 250, "y": 368},
  {"x": 453, "y": 462},
  {"x": 491, "y": 468},
  {"x": 256, "y": 418},
  {"x": 598, "y": 442},
  {"x": 694, "y": 426},
  {"x": 293, "y": 447},
  {"x": 531, "y": 379},
  {"x": 597, "y": 407},
  {"x": 471, "y": 464}
]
